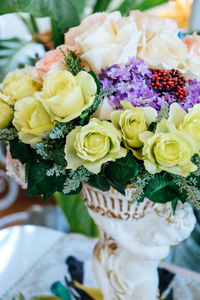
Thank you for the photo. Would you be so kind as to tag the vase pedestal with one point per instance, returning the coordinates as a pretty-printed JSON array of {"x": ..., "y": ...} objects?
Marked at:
[{"x": 135, "y": 238}]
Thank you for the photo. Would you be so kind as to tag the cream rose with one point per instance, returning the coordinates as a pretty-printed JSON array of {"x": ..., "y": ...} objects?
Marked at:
[
  {"x": 112, "y": 39},
  {"x": 168, "y": 149},
  {"x": 19, "y": 85},
  {"x": 92, "y": 145},
  {"x": 151, "y": 23},
  {"x": 66, "y": 96},
  {"x": 192, "y": 61},
  {"x": 31, "y": 120},
  {"x": 164, "y": 49}
]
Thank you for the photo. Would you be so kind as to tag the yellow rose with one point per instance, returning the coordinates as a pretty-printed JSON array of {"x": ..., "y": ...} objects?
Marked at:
[
  {"x": 6, "y": 112},
  {"x": 31, "y": 119},
  {"x": 66, "y": 95},
  {"x": 188, "y": 122},
  {"x": 168, "y": 149},
  {"x": 19, "y": 85},
  {"x": 191, "y": 124},
  {"x": 132, "y": 121},
  {"x": 92, "y": 145}
]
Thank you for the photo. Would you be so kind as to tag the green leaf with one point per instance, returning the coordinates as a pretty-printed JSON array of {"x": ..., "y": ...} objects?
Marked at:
[
  {"x": 96, "y": 81},
  {"x": 77, "y": 214},
  {"x": 15, "y": 53},
  {"x": 152, "y": 126},
  {"x": 58, "y": 289},
  {"x": 163, "y": 195},
  {"x": 80, "y": 5},
  {"x": 122, "y": 170},
  {"x": 58, "y": 155},
  {"x": 174, "y": 204},
  {"x": 62, "y": 11},
  {"x": 101, "y": 5},
  {"x": 20, "y": 151},
  {"x": 156, "y": 184},
  {"x": 41, "y": 184},
  {"x": 99, "y": 182},
  {"x": 128, "y": 5}
]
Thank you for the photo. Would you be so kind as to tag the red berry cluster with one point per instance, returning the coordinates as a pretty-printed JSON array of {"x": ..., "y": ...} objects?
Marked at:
[{"x": 171, "y": 82}]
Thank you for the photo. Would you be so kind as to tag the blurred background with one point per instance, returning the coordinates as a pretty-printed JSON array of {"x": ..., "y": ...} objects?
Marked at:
[{"x": 27, "y": 30}]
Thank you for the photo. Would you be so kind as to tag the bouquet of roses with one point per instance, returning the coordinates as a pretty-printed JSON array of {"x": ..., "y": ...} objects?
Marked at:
[{"x": 118, "y": 104}]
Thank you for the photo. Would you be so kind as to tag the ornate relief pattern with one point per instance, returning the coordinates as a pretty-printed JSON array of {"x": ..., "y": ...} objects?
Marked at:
[{"x": 135, "y": 237}]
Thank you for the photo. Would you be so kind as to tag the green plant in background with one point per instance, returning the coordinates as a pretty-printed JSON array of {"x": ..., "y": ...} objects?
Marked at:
[
  {"x": 16, "y": 52},
  {"x": 77, "y": 214},
  {"x": 63, "y": 14}
]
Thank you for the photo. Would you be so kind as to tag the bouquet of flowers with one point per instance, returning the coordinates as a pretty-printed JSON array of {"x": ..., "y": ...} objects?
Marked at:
[{"x": 117, "y": 105}]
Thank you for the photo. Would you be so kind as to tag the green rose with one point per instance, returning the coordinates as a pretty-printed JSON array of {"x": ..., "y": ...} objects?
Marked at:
[
  {"x": 131, "y": 122},
  {"x": 168, "y": 149},
  {"x": 92, "y": 145}
]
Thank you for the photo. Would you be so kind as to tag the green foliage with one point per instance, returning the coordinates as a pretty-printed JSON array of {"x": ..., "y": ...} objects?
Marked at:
[
  {"x": 8, "y": 134},
  {"x": 90, "y": 110},
  {"x": 20, "y": 151},
  {"x": 99, "y": 181},
  {"x": 74, "y": 179},
  {"x": 72, "y": 62},
  {"x": 15, "y": 53},
  {"x": 77, "y": 214},
  {"x": 174, "y": 204},
  {"x": 152, "y": 126},
  {"x": 120, "y": 172},
  {"x": 62, "y": 11},
  {"x": 60, "y": 130},
  {"x": 128, "y": 5},
  {"x": 101, "y": 5},
  {"x": 155, "y": 188},
  {"x": 41, "y": 184}
]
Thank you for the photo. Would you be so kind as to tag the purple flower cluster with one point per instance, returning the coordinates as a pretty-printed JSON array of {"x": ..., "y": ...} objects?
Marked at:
[
  {"x": 193, "y": 94},
  {"x": 132, "y": 82}
]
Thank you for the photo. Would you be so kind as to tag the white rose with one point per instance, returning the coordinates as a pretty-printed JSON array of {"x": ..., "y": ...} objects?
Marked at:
[
  {"x": 163, "y": 50},
  {"x": 111, "y": 40}
]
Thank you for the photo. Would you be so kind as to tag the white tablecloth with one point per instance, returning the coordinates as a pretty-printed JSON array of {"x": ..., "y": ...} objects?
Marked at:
[{"x": 33, "y": 257}]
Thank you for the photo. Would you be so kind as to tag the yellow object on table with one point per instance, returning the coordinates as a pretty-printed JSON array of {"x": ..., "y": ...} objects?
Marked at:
[{"x": 179, "y": 10}]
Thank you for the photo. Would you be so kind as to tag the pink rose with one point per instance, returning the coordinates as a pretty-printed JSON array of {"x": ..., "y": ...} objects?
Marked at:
[
  {"x": 52, "y": 61},
  {"x": 15, "y": 169},
  {"x": 193, "y": 43},
  {"x": 192, "y": 62}
]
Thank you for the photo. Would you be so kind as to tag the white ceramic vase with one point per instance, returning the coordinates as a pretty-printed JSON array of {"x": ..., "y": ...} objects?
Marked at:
[{"x": 135, "y": 238}]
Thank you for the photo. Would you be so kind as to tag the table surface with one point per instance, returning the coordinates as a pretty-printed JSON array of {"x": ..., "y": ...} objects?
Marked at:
[{"x": 33, "y": 257}]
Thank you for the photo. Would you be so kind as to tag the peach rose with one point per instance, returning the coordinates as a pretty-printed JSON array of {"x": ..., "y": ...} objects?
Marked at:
[
  {"x": 51, "y": 62},
  {"x": 192, "y": 61}
]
